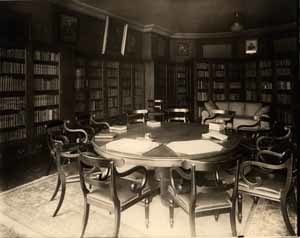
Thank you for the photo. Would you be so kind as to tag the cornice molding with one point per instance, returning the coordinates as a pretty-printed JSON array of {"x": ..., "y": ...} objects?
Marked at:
[{"x": 89, "y": 10}]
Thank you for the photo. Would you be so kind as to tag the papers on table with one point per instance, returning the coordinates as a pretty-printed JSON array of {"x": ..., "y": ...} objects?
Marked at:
[
  {"x": 118, "y": 129},
  {"x": 104, "y": 136},
  {"x": 215, "y": 135},
  {"x": 192, "y": 147},
  {"x": 153, "y": 123},
  {"x": 131, "y": 146}
]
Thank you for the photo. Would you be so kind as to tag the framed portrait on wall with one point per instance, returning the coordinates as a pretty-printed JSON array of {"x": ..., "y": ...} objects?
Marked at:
[
  {"x": 68, "y": 28},
  {"x": 251, "y": 46}
]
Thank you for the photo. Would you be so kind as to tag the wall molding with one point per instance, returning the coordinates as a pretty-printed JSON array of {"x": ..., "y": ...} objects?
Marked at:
[{"x": 89, "y": 10}]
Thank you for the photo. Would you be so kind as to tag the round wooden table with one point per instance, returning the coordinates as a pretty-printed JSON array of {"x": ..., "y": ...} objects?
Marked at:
[{"x": 161, "y": 157}]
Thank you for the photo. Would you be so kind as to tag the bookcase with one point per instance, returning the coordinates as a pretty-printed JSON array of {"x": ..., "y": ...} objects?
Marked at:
[
  {"x": 80, "y": 86},
  {"x": 46, "y": 96},
  {"x": 139, "y": 86},
  {"x": 265, "y": 72},
  {"x": 250, "y": 81},
  {"x": 13, "y": 95},
  {"x": 96, "y": 88},
  {"x": 111, "y": 77},
  {"x": 182, "y": 85},
  {"x": 126, "y": 86},
  {"x": 160, "y": 82},
  {"x": 284, "y": 78},
  {"x": 219, "y": 84},
  {"x": 235, "y": 84}
]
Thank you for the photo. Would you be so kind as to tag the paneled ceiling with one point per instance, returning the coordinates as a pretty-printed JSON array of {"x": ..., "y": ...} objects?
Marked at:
[{"x": 200, "y": 16}]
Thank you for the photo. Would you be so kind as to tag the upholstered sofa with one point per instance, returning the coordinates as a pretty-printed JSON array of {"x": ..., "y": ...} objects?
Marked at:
[{"x": 246, "y": 114}]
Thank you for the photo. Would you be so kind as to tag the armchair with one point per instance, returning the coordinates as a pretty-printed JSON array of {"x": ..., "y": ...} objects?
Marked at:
[
  {"x": 271, "y": 181},
  {"x": 110, "y": 189}
]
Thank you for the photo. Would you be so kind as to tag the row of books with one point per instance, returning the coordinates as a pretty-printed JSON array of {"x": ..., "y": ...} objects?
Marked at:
[
  {"x": 202, "y": 84},
  {"x": 46, "y": 115},
  {"x": 203, "y": 66},
  {"x": 266, "y": 85},
  {"x": 218, "y": 96},
  {"x": 265, "y": 72},
  {"x": 98, "y": 114},
  {"x": 285, "y": 117},
  {"x": 251, "y": 96},
  {"x": 12, "y": 120},
  {"x": 112, "y": 92},
  {"x": 202, "y": 96},
  {"x": 95, "y": 72},
  {"x": 12, "y": 135},
  {"x": 112, "y": 64},
  {"x": 95, "y": 83},
  {"x": 283, "y": 63},
  {"x": 265, "y": 64},
  {"x": 202, "y": 74},
  {"x": 113, "y": 112},
  {"x": 7, "y": 67},
  {"x": 250, "y": 74},
  {"x": 235, "y": 85},
  {"x": 286, "y": 85},
  {"x": 12, "y": 103},
  {"x": 46, "y": 84},
  {"x": 95, "y": 63},
  {"x": 139, "y": 91},
  {"x": 283, "y": 71},
  {"x": 45, "y": 100},
  {"x": 284, "y": 98},
  {"x": 220, "y": 67},
  {"x": 10, "y": 83},
  {"x": 234, "y": 96},
  {"x": 45, "y": 69},
  {"x": 181, "y": 75},
  {"x": 266, "y": 97},
  {"x": 126, "y": 92},
  {"x": 12, "y": 53},
  {"x": 96, "y": 94},
  {"x": 219, "y": 73},
  {"x": 112, "y": 73},
  {"x": 218, "y": 85},
  {"x": 80, "y": 83},
  {"x": 96, "y": 106},
  {"x": 46, "y": 56},
  {"x": 112, "y": 102},
  {"x": 39, "y": 130}
]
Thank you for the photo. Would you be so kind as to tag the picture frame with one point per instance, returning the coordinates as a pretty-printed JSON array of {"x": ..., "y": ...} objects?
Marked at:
[
  {"x": 251, "y": 46},
  {"x": 68, "y": 28}
]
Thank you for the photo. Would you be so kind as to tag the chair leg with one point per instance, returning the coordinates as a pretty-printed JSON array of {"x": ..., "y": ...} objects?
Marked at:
[
  {"x": 192, "y": 224},
  {"x": 117, "y": 221},
  {"x": 147, "y": 211},
  {"x": 62, "y": 195},
  {"x": 240, "y": 207},
  {"x": 232, "y": 220},
  {"x": 56, "y": 188},
  {"x": 49, "y": 166},
  {"x": 255, "y": 199},
  {"x": 171, "y": 212},
  {"x": 217, "y": 217},
  {"x": 85, "y": 217},
  {"x": 283, "y": 205}
]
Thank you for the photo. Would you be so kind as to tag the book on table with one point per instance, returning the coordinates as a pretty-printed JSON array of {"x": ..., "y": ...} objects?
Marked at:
[
  {"x": 118, "y": 128},
  {"x": 153, "y": 123},
  {"x": 105, "y": 136},
  {"x": 215, "y": 135}
]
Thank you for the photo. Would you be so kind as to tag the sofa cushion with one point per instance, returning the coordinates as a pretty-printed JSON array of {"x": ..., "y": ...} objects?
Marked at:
[
  {"x": 251, "y": 108},
  {"x": 237, "y": 107},
  {"x": 222, "y": 105},
  {"x": 263, "y": 110},
  {"x": 210, "y": 105}
]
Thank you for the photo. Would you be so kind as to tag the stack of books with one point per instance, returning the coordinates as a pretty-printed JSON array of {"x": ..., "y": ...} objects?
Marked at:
[
  {"x": 105, "y": 136},
  {"x": 153, "y": 123},
  {"x": 214, "y": 126},
  {"x": 118, "y": 129},
  {"x": 215, "y": 135}
]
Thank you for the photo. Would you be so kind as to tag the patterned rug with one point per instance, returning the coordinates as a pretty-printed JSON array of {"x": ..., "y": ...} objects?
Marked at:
[{"x": 29, "y": 208}]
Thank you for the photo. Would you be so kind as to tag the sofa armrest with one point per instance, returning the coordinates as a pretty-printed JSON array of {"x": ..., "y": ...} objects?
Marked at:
[{"x": 204, "y": 115}]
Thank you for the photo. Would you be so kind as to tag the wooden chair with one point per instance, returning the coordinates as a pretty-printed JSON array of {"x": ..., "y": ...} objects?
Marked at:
[
  {"x": 83, "y": 121},
  {"x": 178, "y": 114},
  {"x": 156, "y": 110},
  {"x": 64, "y": 150},
  {"x": 139, "y": 115},
  {"x": 111, "y": 189},
  {"x": 197, "y": 200},
  {"x": 271, "y": 176}
]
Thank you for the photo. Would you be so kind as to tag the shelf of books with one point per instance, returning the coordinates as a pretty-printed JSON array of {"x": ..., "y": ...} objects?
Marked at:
[
  {"x": 96, "y": 88},
  {"x": 139, "y": 86},
  {"x": 126, "y": 83},
  {"x": 81, "y": 87},
  {"x": 182, "y": 85},
  {"x": 284, "y": 79},
  {"x": 250, "y": 77},
  {"x": 13, "y": 95},
  {"x": 46, "y": 97},
  {"x": 235, "y": 92},
  {"x": 265, "y": 71},
  {"x": 111, "y": 77},
  {"x": 219, "y": 82}
]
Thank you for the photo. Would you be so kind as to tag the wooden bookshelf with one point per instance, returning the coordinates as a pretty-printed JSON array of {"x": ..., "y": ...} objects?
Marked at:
[
  {"x": 126, "y": 86},
  {"x": 46, "y": 96},
  {"x": 13, "y": 94},
  {"x": 250, "y": 81},
  {"x": 182, "y": 86},
  {"x": 235, "y": 84},
  {"x": 219, "y": 83},
  {"x": 81, "y": 87},
  {"x": 265, "y": 72},
  {"x": 139, "y": 86}
]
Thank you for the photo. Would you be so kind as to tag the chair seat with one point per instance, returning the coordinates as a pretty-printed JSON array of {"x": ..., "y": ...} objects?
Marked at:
[
  {"x": 205, "y": 201},
  {"x": 102, "y": 196},
  {"x": 270, "y": 186}
]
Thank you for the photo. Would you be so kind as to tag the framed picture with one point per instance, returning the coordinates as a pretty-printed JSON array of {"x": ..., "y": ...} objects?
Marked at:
[
  {"x": 68, "y": 28},
  {"x": 251, "y": 46},
  {"x": 183, "y": 48}
]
